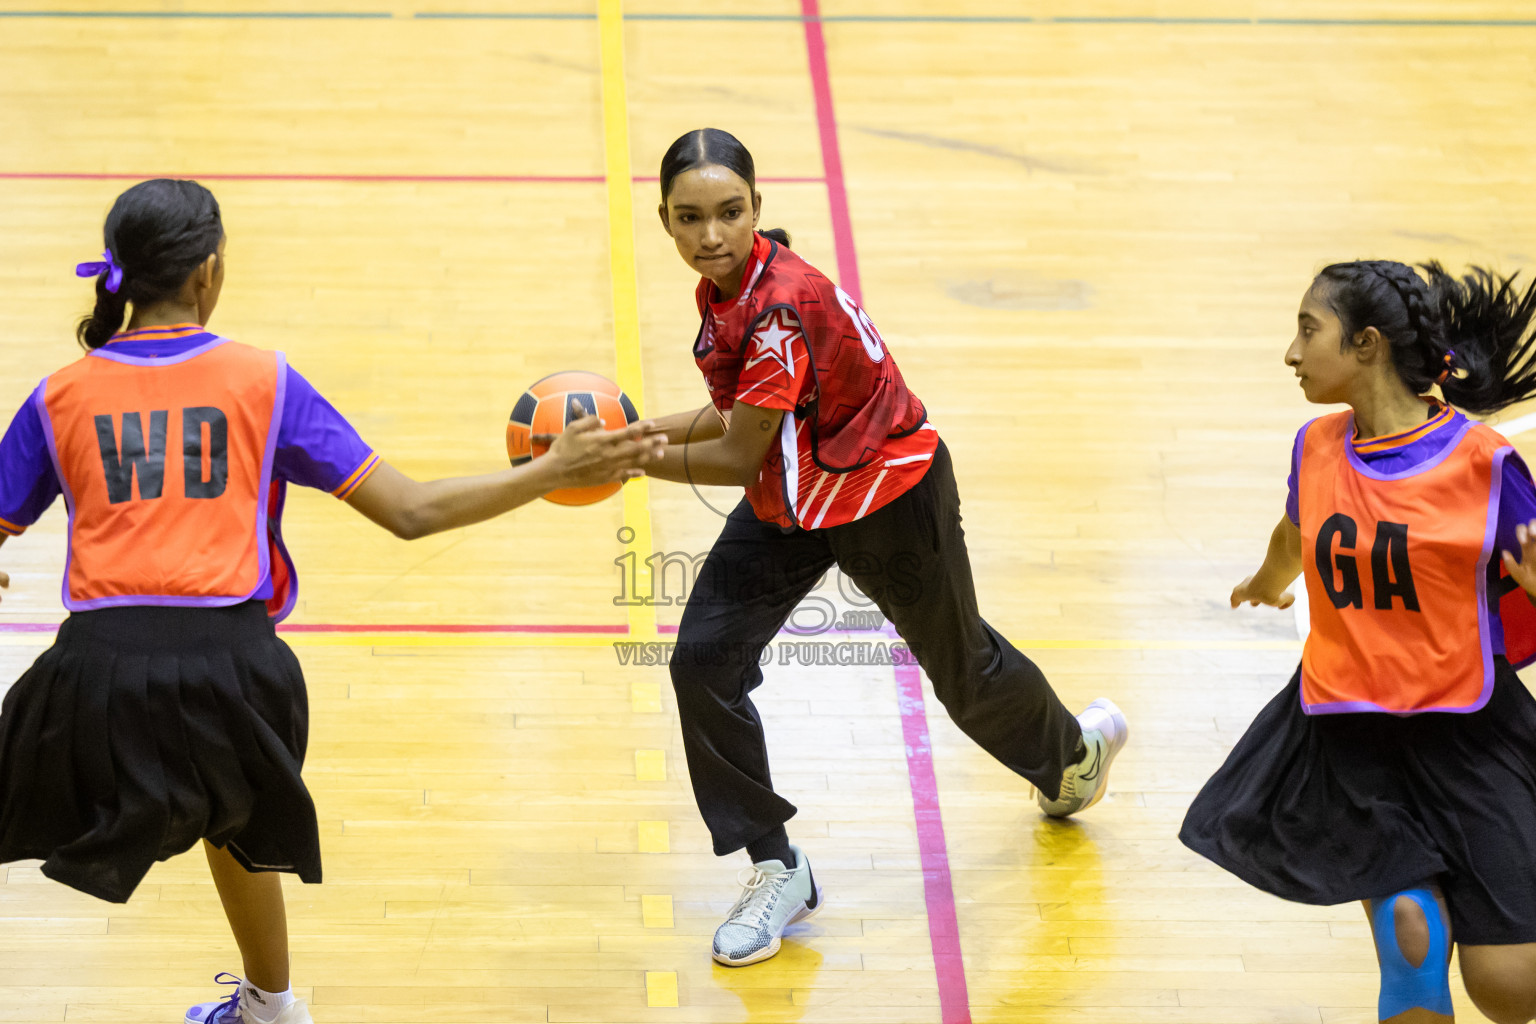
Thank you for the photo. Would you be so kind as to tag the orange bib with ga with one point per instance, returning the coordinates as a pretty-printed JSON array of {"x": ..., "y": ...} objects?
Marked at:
[
  {"x": 1396, "y": 568},
  {"x": 166, "y": 465}
]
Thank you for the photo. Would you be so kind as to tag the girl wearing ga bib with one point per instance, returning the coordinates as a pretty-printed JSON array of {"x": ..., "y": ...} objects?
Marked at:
[
  {"x": 1398, "y": 768},
  {"x": 167, "y": 711},
  {"x": 809, "y": 413}
]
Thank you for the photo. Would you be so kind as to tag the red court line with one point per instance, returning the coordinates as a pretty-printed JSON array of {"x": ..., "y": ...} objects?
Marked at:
[
  {"x": 428, "y": 179},
  {"x": 557, "y": 179},
  {"x": 831, "y": 154},
  {"x": 938, "y": 888}
]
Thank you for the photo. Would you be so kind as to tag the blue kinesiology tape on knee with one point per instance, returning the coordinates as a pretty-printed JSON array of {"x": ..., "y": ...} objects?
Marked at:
[{"x": 1403, "y": 986}]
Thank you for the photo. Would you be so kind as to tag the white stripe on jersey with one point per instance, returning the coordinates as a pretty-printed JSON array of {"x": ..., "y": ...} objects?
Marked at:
[
  {"x": 909, "y": 458},
  {"x": 787, "y": 452},
  {"x": 812, "y": 496},
  {"x": 746, "y": 293},
  {"x": 870, "y": 496},
  {"x": 830, "y": 499}
]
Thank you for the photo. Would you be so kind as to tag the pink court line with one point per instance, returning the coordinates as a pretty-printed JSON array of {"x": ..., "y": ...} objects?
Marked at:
[
  {"x": 831, "y": 153},
  {"x": 540, "y": 629},
  {"x": 428, "y": 179},
  {"x": 938, "y": 888}
]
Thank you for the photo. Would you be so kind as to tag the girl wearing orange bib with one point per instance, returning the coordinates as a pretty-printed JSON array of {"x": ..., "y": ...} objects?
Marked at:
[
  {"x": 1399, "y": 766},
  {"x": 168, "y": 711}
]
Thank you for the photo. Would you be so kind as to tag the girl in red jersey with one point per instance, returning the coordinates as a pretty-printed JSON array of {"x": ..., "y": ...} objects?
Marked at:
[
  {"x": 167, "y": 711},
  {"x": 1399, "y": 766},
  {"x": 841, "y": 467}
]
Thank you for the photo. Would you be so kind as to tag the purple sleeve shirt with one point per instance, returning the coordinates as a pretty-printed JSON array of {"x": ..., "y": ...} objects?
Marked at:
[
  {"x": 316, "y": 447},
  {"x": 1517, "y": 504},
  {"x": 1292, "y": 503},
  {"x": 28, "y": 483}
]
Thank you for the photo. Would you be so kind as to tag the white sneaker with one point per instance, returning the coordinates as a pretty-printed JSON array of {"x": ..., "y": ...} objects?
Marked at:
[
  {"x": 1084, "y": 784},
  {"x": 229, "y": 1011},
  {"x": 773, "y": 898}
]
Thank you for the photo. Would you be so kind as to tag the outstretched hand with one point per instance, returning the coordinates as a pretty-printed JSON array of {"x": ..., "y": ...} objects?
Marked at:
[
  {"x": 586, "y": 455},
  {"x": 1523, "y": 571},
  {"x": 1246, "y": 593}
]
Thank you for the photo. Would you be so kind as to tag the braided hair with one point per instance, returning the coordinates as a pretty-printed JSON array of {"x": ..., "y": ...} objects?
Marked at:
[
  {"x": 1469, "y": 335},
  {"x": 159, "y": 231}
]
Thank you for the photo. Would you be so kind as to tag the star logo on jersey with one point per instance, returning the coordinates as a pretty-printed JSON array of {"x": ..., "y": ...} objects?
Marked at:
[{"x": 772, "y": 340}]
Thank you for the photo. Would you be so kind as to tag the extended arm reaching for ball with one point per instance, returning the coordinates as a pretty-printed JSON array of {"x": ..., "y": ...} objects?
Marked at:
[
  {"x": 1282, "y": 564},
  {"x": 583, "y": 455},
  {"x": 693, "y": 427},
  {"x": 715, "y": 454}
]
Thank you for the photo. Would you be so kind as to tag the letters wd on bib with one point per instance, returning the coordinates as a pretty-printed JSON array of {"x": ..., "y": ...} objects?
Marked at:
[{"x": 172, "y": 448}]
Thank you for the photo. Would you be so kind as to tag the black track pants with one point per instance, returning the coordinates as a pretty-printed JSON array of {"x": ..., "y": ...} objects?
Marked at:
[{"x": 910, "y": 558}]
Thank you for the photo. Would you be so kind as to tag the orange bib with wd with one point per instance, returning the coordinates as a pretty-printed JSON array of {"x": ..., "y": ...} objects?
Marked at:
[
  {"x": 166, "y": 465},
  {"x": 1396, "y": 568}
]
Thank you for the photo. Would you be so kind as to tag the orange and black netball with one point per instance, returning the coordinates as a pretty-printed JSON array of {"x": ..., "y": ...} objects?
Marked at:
[{"x": 549, "y": 404}]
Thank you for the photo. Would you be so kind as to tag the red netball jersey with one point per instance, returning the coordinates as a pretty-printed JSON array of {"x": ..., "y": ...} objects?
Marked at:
[
  {"x": 166, "y": 466},
  {"x": 856, "y": 437},
  {"x": 1397, "y": 570}
]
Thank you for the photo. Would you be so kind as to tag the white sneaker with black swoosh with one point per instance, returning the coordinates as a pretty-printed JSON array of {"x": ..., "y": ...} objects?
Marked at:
[
  {"x": 773, "y": 897},
  {"x": 1084, "y": 784}
]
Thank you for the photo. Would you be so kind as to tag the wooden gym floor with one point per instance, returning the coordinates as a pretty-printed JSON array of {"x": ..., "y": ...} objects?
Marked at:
[{"x": 1083, "y": 229}]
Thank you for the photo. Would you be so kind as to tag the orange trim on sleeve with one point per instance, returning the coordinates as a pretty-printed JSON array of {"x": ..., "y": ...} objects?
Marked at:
[{"x": 353, "y": 482}]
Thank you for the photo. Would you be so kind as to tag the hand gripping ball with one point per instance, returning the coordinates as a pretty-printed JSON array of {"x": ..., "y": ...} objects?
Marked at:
[{"x": 546, "y": 407}]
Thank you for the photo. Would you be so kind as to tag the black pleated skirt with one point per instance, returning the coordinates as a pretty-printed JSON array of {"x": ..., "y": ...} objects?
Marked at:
[
  {"x": 141, "y": 731},
  {"x": 1328, "y": 809}
]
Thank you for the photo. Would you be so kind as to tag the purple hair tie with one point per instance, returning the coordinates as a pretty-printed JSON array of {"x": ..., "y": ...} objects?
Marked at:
[{"x": 111, "y": 268}]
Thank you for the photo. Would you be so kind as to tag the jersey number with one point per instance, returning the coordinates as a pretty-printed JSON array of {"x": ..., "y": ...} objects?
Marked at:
[
  {"x": 205, "y": 461},
  {"x": 874, "y": 345},
  {"x": 1391, "y": 575}
]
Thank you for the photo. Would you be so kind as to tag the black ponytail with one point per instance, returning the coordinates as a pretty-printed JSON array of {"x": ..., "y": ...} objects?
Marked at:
[
  {"x": 1487, "y": 320},
  {"x": 704, "y": 147},
  {"x": 106, "y": 318},
  {"x": 1471, "y": 336},
  {"x": 158, "y": 232}
]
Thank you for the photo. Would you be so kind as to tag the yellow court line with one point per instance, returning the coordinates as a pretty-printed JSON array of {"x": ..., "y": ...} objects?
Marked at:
[
  {"x": 656, "y": 911},
  {"x": 661, "y": 988},
  {"x": 648, "y": 697},
  {"x": 573, "y": 640},
  {"x": 626, "y": 291}
]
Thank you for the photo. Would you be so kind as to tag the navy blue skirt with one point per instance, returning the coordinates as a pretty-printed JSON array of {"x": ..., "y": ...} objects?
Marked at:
[
  {"x": 143, "y": 730},
  {"x": 1328, "y": 809}
]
